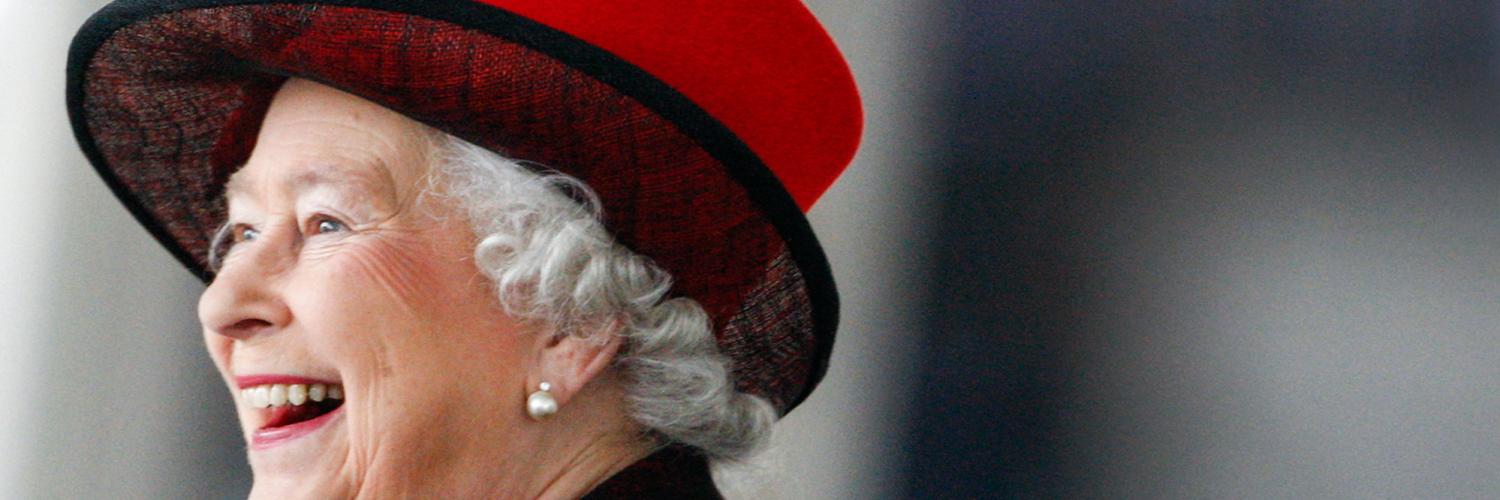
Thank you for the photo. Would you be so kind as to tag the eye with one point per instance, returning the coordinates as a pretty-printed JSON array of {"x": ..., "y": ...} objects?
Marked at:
[
  {"x": 225, "y": 240},
  {"x": 326, "y": 225},
  {"x": 244, "y": 233}
]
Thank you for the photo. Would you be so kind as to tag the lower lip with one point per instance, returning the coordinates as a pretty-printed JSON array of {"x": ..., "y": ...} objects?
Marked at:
[{"x": 275, "y": 436}]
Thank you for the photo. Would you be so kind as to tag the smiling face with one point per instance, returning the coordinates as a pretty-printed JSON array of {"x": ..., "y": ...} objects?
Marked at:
[{"x": 340, "y": 274}]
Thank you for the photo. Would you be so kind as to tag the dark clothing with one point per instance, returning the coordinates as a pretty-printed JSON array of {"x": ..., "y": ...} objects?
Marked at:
[{"x": 672, "y": 473}]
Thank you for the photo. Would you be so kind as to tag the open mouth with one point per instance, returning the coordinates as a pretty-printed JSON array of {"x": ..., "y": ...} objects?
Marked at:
[
  {"x": 290, "y": 404},
  {"x": 287, "y": 407}
]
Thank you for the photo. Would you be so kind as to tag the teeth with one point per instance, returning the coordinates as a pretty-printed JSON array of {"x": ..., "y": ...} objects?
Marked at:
[
  {"x": 296, "y": 394},
  {"x": 278, "y": 395},
  {"x": 273, "y": 395},
  {"x": 261, "y": 397},
  {"x": 316, "y": 392}
]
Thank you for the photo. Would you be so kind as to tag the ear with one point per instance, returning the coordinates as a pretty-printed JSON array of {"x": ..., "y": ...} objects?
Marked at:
[{"x": 569, "y": 362}]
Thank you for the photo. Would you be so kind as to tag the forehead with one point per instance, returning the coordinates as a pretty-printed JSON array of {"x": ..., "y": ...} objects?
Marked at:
[{"x": 315, "y": 135}]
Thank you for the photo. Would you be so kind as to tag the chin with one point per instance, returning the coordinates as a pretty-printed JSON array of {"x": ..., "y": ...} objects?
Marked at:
[
  {"x": 297, "y": 435},
  {"x": 308, "y": 465}
]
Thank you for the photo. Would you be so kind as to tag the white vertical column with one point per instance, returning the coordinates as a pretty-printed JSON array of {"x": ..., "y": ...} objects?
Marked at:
[
  {"x": 31, "y": 114},
  {"x": 107, "y": 390}
]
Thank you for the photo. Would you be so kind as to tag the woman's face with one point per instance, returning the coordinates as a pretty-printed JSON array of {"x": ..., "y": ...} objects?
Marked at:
[{"x": 340, "y": 275}]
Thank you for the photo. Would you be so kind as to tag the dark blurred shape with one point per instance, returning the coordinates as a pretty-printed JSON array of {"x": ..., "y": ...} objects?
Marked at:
[{"x": 1190, "y": 249}]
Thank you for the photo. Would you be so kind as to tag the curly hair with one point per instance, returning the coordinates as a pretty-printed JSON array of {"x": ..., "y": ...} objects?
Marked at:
[{"x": 542, "y": 242}]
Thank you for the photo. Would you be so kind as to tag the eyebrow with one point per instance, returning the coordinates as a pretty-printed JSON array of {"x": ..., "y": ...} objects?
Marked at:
[{"x": 313, "y": 178}]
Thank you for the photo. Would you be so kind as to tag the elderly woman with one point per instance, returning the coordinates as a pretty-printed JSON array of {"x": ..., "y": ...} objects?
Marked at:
[{"x": 520, "y": 249}]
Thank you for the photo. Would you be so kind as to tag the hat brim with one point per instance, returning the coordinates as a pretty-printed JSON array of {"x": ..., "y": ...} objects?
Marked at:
[{"x": 166, "y": 99}]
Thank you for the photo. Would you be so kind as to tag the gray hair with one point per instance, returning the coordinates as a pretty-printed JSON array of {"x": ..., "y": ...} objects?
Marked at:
[{"x": 542, "y": 242}]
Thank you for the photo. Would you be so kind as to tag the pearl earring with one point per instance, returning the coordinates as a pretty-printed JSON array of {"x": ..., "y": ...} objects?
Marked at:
[{"x": 541, "y": 404}]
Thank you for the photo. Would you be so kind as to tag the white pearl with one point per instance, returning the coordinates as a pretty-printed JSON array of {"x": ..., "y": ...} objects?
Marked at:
[{"x": 541, "y": 404}]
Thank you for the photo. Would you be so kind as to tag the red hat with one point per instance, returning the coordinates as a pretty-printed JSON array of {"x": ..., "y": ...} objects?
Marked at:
[{"x": 707, "y": 127}]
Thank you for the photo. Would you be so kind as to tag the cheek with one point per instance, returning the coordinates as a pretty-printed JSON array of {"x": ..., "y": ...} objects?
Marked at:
[
  {"x": 388, "y": 274},
  {"x": 413, "y": 332},
  {"x": 406, "y": 309},
  {"x": 361, "y": 296},
  {"x": 399, "y": 270}
]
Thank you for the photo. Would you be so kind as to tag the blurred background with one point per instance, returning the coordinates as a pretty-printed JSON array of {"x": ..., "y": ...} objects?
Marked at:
[{"x": 1088, "y": 249}]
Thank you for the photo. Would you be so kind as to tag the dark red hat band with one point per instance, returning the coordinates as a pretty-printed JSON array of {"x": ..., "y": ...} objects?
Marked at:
[{"x": 165, "y": 98}]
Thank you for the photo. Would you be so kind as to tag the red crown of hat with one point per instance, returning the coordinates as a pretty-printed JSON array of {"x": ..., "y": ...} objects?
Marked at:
[{"x": 707, "y": 127}]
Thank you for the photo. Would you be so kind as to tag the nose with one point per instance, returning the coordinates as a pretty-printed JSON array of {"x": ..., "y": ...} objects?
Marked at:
[{"x": 245, "y": 299}]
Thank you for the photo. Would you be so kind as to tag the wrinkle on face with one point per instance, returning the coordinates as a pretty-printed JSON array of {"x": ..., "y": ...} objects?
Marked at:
[
  {"x": 391, "y": 259},
  {"x": 391, "y": 302}
]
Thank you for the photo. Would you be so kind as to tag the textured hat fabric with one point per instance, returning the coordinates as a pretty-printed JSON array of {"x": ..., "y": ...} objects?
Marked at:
[{"x": 706, "y": 127}]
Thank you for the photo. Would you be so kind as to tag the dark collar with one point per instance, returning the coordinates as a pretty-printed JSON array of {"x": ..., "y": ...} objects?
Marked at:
[{"x": 672, "y": 472}]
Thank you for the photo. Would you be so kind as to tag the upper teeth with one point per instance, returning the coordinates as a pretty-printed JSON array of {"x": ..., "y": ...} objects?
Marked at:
[{"x": 271, "y": 395}]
